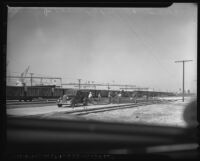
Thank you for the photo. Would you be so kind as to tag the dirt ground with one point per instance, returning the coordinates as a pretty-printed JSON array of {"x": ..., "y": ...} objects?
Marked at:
[
  {"x": 169, "y": 114},
  {"x": 164, "y": 114}
]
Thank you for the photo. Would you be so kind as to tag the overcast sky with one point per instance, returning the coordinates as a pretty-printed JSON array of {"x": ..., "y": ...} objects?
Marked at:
[{"x": 122, "y": 45}]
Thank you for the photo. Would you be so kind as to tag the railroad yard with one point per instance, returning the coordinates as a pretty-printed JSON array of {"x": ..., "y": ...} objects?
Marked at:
[{"x": 167, "y": 111}]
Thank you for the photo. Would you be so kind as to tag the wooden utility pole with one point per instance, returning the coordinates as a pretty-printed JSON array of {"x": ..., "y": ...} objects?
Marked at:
[
  {"x": 61, "y": 82},
  {"x": 183, "y": 61},
  {"x": 79, "y": 83}
]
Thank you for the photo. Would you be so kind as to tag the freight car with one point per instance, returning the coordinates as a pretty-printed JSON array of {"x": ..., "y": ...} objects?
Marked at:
[
  {"x": 32, "y": 92},
  {"x": 28, "y": 93}
]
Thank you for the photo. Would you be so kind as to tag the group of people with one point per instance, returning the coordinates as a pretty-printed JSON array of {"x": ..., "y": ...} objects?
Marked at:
[
  {"x": 112, "y": 95},
  {"x": 90, "y": 97}
]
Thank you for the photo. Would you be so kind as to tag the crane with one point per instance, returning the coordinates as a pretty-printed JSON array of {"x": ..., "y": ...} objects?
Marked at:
[{"x": 23, "y": 75}]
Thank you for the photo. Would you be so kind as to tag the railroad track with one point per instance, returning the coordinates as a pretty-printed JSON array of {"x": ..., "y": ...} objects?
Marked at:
[{"x": 115, "y": 107}]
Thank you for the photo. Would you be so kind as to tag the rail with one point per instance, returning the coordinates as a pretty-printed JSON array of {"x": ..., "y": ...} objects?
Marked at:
[{"x": 86, "y": 111}]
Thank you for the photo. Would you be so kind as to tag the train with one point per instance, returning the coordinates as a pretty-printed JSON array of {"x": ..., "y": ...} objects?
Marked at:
[{"x": 29, "y": 93}]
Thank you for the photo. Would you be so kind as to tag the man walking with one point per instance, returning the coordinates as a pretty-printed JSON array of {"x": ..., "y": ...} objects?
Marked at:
[
  {"x": 99, "y": 97},
  {"x": 119, "y": 97},
  {"x": 109, "y": 97},
  {"x": 90, "y": 97}
]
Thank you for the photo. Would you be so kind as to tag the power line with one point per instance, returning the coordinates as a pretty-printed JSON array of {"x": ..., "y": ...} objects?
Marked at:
[
  {"x": 35, "y": 77},
  {"x": 101, "y": 84},
  {"x": 146, "y": 45}
]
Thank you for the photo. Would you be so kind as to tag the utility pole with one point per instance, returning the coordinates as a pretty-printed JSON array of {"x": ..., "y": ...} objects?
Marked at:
[
  {"x": 153, "y": 93},
  {"x": 31, "y": 78},
  {"x": 61, "y": 82},
  {"x": 183, "y": 61},
  {"x": 79, "y": 83}
]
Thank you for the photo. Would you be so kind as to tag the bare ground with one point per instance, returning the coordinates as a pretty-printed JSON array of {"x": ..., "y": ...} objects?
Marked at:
[
  {"x": 170, "y": 114},
  {"x": 165, "y": 114}
]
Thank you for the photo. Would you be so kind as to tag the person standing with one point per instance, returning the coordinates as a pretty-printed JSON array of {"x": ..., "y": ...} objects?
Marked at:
[
  {"x": 109, "y": 97},
  {"x": 119, "y": 97},
  {"x": 99, "y": 96},
  {"x": 90, "y": 97}
]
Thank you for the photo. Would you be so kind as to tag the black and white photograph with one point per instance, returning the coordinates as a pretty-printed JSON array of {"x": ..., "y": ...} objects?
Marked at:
[{"x": 102, "y": 67}]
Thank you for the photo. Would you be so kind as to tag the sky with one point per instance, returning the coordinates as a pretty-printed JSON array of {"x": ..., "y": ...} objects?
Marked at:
[{"x": 137, "y": 46}]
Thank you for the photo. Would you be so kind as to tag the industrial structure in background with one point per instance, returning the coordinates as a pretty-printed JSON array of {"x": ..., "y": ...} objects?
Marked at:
[
  {"x": 28, "y": 86},
  {"x": 31, "y": 79},
  {"x": 27, "y": 78},
  {"x": 23, "y": 76},
  {"x": 102, "y": 86}
]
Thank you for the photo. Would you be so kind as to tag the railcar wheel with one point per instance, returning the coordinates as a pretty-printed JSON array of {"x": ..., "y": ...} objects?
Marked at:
[
  {"x": 59, "y": 105},
  {"x": 73, "y": 105},
  {"x": 85, "y": 104}
]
